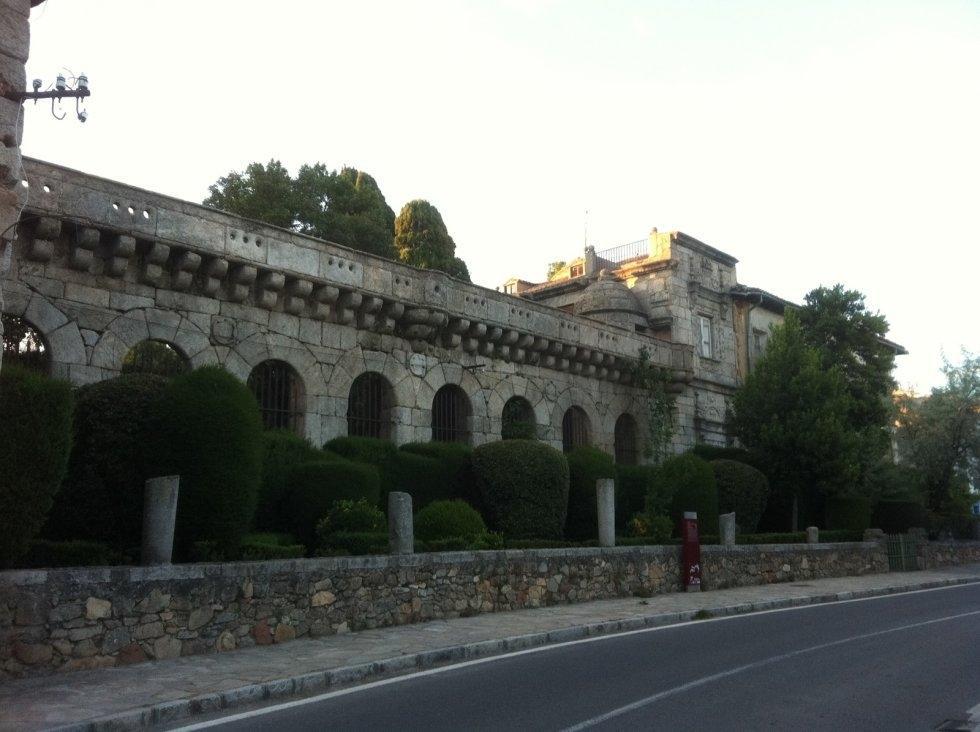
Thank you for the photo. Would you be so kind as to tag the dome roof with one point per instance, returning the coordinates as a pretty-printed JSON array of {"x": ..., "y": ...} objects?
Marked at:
[{"x": 610, "y": 300}]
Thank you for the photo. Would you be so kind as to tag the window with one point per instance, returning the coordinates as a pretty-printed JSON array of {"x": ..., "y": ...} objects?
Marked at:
[
  {"x": 759, "y": 341},
  {"x": 576, "y": 270},
  {"x": 706, "y": 343},
  {"x": 154, "y": 357},
  {"x": 368, "y": 407},
  {"x": 280, "y": 395},
  {"x": 625, "y": 440},
  {"x": 517, "y": 420},
  {"x": 574, "y": 429},
  {"x": 24, "y": 345},
  {"x": 450, "y": 415}
]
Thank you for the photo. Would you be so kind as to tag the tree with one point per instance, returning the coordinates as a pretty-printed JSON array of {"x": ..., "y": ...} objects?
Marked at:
[
  {"x": 794, "y": 413},
  {"x": 940, "y": 435},
  {"x": 263, "y": 192},
  {"x": 422, "y": 240},
  {"x": 555, "y": 267}
]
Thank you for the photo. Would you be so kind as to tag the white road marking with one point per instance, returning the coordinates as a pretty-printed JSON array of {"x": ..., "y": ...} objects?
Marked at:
[
  {"x": 539, "y": 649},
  {"x": 639, "y": 704}
]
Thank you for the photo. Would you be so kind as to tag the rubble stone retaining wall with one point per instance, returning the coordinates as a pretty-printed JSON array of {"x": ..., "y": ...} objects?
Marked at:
[
  {"x": 66, "y": 619},
  {"x": 936, "y": 554}
]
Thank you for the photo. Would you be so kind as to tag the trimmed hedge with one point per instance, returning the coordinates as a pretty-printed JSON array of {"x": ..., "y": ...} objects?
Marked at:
[
  {"x": 75, "y": 553},
  {"x": 449, "y": 519},
  {"x": 742, "y": 489},
  {"x": 315, "y": 487},
  {"x": 260, "y": 546},
  {"x": 897, "y": 517},
  {"x": 523, "y": 486},
  {"x": 586, "y": 464},
  {"x": 847, "y": 513},
  {"x": 209, "y": 432},
  {"x": 632, "y": 486},
  {"x": 35, "y": 442},
  {"x": 353, "y": 543},
  {"x": 456, "y": 473},
  {"x": 358, "y": 516},
  {"x": 282, "y": 450},
  {"x": 102, "y": 496},
  {"x": 685, "y": 483},
  {"x": 738, "y": 454}
]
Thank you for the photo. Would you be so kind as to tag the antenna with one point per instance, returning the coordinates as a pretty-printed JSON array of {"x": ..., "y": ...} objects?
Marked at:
[{"x": 586, "y": 228}]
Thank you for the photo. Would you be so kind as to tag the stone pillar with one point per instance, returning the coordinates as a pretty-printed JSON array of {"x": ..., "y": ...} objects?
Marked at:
[
  {"x": 401, "y": 532},
  {"x": 14, "y": 44},
  {"x": 812, "y": 535},
  {"x": 159, "y": 518},
  {"x": 726, "y": 529},
  {"x": 605, "y": 497}
]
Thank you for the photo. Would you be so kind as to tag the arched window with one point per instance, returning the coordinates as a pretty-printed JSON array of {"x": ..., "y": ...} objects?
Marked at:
[
  {"x": 574, "y": 429},
  {"x": 279, "y": 392},
  {"x": 154, "y": 357},
  {"x": 24, "y": 345},
  {"x": 450, "y": 415},
  {"x": 369, "y": 407},
  {"x": 517, "y": 420},
  {"x": 625, "y": 440}
]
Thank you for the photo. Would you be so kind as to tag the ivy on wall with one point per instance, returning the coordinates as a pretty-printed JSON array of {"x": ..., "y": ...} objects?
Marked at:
[{"x": 654, "y": 380}]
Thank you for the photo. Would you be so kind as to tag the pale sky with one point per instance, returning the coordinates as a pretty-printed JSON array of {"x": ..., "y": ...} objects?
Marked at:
[{"x": 817, "y": 142}]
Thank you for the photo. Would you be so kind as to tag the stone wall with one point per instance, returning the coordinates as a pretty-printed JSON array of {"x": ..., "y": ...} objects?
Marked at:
[
  {"x": 936, "y": 554},
  {"x": 66, "y": 619}
]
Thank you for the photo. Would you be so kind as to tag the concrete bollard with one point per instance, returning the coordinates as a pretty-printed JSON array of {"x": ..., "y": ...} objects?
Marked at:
[
  {"x": 726, "y": 529},
  {"x": 605, "y": 498},
  {"x": 159, "y": 517},
  {"x": 812, "y": 535},
  {"x": 401, "y": 531}
]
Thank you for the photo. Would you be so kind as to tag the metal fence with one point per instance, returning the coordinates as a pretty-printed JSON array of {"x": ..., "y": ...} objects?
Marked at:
[
  {"x": 902, "y": 553},
  {"x": 625, "y": 252}
]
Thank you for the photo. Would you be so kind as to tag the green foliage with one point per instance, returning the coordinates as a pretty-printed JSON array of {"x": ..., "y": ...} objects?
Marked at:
[
  {"x": 448, "y": 519},
  {"x": 455, "y": 476},
  {"x": 75, "y": 553},
  {"x": 268, "y": 545},
  {"x": 101, "y": 498},
  {"x": 897, "y": 517},
  {"x": 523, "y": 486},
  {"x": 370, "y": 450},
  {"x": 210, "y": 434},
  {"x": 154, "y": 357},
  {"x": 847, "y": 513},
  {"x": 263, "y": 192},
  {"x": 555, "y": 267},
  {"x": 632, "y": 486},
  {"x": 841, "y": 535},
  {"x": 888, "y": 481},
  {"x": 353, "y": 543},
  {"x": 794, "y": 413},
  {"x": 23, "y": 345},
  {"x": 360, "y": 515},
  {"x": 657, "y": 529},
  {"x": 35, "y": 442},
  {"x": 654, "y": 381},
  {"x": 282, "y": 450},
  {"x": 422, "y": 240},
  {"x": 684, "y": 483},
  {"x": 585, "y": 465},
  {"x": 742, "y": 489},
  {"x": 738, "y": 454},
  {"x": 518, "y": 421},
  {"x": 315, "y": 487},
  {"x": 795, "y": 537}
]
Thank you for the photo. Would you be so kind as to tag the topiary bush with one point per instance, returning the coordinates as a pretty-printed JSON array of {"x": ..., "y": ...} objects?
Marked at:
[
  {"x": 897, "y": 517},
  {"x": 359, "y": 515},
  {"x": 75, "y": 553},
  {"x": 35, "y": 442},
  {"x": 315, "y": 487},
  {"x": 268, "y": 545},
  {"x": 101, "y": 498},
  {"x": 742, "y": 489},
  {"x": 632, "y": 485},
  {"x": 685, "y": 483},
  {"x": 353, "y": 543},
  {"x": 449, "y": 519},
  {"x": 523, "y": 487},
  {"x": 456, "y": 474},
  {"x": 209, "y": 432},
  {"x": 282, "y": 450},
  {"x": 847, "y": 513},
  {"x": 370, "y": 450},
  {"x": 585, "y": 465}
]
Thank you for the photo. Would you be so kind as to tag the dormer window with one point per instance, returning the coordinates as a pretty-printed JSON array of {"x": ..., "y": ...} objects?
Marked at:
[{"x": 576, "y": 270}]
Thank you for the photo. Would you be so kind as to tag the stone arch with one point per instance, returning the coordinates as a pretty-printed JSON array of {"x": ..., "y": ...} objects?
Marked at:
[
  {"x": 149, "y": 358},
  {"x": 574, "y": 397},
  {"x": 28, "y": 347},
  {"x": 577, "y": 429},
  {"x": 152, "y": 324},
  {"x": 369, "y": 404},
  {"x": 517, "y": 386},
  {"x": 452, "y": 410},
  {"x": 280, "y": 393},
  {"x": 443, "y": 374},
  {"x": 68, "y": 358},
  {"x": 626, "y": 440}
]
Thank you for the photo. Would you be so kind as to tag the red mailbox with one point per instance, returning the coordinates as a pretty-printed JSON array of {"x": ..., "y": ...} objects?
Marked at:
[{"x": 691, "y": 552}]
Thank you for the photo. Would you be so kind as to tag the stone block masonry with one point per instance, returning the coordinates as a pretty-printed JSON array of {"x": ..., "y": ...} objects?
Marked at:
[{"x": 67, "y": 619}]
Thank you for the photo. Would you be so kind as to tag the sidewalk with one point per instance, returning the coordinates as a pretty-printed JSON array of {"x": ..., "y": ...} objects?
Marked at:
[{"x": 167, "y": 691}]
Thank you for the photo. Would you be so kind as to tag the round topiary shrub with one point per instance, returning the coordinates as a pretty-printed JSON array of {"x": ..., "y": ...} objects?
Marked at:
[
  {"x": 685, "y": 483},
  {"x": 585, "y": 466},
  {"x": 456, "y": 469},
  {"x": 282, "y": 450},
  {"x": 315, "y": 487},
  {"x": 632, "y": 485},
  {"x": 209, "y": 432},
  {"x": 847, "y": 513},
  {"x": 897, "y": 517},
  {"x": 102, "y": 496},
  {"x": 370, "y": 450},
  {"x": 35, "y": 441},
  {"x": 359, "y": 515},
  {"x": 742, "y": 489},
  {"x": 447, "y": 520},
  {"x": 523, "y": 486}
]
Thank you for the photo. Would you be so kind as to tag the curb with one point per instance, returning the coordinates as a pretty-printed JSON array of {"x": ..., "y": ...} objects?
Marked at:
[{"x": 316, "y": 682}]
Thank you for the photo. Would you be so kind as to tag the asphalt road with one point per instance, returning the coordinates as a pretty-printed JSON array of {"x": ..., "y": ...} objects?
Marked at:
[{"x": 901, "y": 662}]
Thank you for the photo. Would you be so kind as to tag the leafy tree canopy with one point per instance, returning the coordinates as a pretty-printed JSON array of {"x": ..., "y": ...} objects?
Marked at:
[
  {"x": 555, "y": 267},
  {"x": 422, "y": 240},
  {"x": 262, "y": 192}
]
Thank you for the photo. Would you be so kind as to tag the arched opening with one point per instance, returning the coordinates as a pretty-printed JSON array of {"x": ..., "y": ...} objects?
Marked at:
[
  {"x": 517, "y": 420},
  {"x": 451, "y": 415},
  {"x": 24, "y": 345},
  {"x": 279, "y": 392},
  {"x": 155, "y": 357},
  {"x": 369, "y": 407},
  {"x": 574, "y": 429},
  {"x": 624, "y": 439}
]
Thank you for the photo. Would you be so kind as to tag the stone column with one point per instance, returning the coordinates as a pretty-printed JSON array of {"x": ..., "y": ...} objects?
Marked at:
[
  {"x": 159, "y": 518},
  {"x": 726, "y": 529},
  {"x": 401, "y": 532},
  {"x": 15, "y": 37},
  {"x": 812, "y": 535},
  {"x": 605, "y": 496}
]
